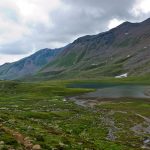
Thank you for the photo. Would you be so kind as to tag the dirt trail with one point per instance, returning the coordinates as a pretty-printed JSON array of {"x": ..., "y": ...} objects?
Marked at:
[
  {"x": 143, "y": 128},
  {"x": 25, "y": 141},
  {"x": 145, "y": 118}
]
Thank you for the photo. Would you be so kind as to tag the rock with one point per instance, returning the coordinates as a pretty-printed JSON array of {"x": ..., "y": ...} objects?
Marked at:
[
  {"x": 29, "y": 128},
  {"x": 36, "y": 147},
  {"x": 28, "y": 145},
  {"x": 27, "y": 138},
  {"x": 64, "y": 100},
  {"x": 146, "y": 141},
  {"x": 61, "y": 144},
  {"x": 2, "y": 142}
]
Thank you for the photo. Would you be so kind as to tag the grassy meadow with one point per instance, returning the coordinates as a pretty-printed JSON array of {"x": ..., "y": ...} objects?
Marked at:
[{"x": 40, "y": 116}]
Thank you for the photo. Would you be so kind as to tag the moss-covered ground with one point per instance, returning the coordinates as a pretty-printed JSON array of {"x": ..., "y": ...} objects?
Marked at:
[{"x": 40, "y": 114}]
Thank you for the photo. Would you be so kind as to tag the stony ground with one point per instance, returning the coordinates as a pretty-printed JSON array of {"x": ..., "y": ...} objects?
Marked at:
[{"x": 45, "y": 118}]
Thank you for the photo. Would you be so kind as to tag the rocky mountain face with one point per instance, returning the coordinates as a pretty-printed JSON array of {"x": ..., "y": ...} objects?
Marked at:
[
  {"x": 122, "y": 50},
  {"x": 29, "y": 65}
]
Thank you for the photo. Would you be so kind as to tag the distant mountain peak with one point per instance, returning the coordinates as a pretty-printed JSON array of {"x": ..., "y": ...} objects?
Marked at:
[
  {"x": 147, "y": 21},
  {"x": 28, "y": 65},
  {"x": 122, "y": 49}
]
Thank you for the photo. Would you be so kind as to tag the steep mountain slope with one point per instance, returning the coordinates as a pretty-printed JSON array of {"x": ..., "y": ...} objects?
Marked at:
[
  {"x": 28, "y": 65},
  {"x": 124, "y": 49}
]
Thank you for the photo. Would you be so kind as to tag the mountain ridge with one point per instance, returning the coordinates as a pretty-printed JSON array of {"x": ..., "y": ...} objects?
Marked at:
[
  {"x": 114, "y": 52},
  {"x": 123, "y": 49},
  {"x": 28, "y": 65}
]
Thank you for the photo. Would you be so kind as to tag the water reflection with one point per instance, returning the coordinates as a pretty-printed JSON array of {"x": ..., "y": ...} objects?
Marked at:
[{"x": 116, "y": 91}]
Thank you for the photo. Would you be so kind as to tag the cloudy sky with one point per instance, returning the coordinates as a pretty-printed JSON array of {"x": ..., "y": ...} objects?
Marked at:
[{"x": 29, "y": 25}]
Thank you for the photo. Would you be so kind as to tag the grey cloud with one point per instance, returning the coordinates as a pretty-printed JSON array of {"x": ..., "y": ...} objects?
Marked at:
[
  {"x": 87, "y": 17},
  {"x": 19, "y": 48},
  {"x": 110, "y": 8},
  {"x": 82, "y": 17},
  {"x": 79, "y": 17}
]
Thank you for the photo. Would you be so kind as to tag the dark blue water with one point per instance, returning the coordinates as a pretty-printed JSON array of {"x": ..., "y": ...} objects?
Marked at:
[
  {"x": 115, "y": 90},
  {"x": 92, "y": 85}
]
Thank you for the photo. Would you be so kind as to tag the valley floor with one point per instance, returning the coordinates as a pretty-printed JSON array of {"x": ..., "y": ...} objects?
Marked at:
[{"x": 43, "y": 116}]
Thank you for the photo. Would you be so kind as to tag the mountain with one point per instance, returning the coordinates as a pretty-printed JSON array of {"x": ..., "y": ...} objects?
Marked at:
[
  {"x": 29, "y": 65},
  {"x": 122, "y": 50}
]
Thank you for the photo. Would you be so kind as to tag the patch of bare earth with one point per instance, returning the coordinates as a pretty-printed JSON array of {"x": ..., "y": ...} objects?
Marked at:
[{"x": 25, "y": 141}]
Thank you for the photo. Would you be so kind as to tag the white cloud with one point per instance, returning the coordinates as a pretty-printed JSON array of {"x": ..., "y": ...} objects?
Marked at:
[
  {"x": 11, "y": 31},
  {"x": 29, "y": 13},
  {"x": 9, "y": 58},
  {"x": 19, "y": 21},
  {"x": 114, "y": 22},
  {"x": 141, "y": 7},
  {"x": 26, "y": 25},
  {"x": 33, "y": 11}
]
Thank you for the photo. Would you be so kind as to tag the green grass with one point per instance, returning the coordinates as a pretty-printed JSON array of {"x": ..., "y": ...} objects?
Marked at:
[{"x": 39, "y": 111}]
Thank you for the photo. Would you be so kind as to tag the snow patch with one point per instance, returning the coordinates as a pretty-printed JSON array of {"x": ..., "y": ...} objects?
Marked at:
[
  {"x": 126, "y": 33},
  {"x": 122, "y": 75},
  {"x": 94, "y": 64}
]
